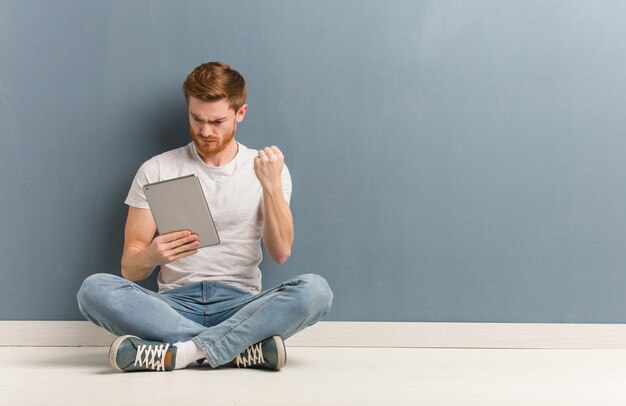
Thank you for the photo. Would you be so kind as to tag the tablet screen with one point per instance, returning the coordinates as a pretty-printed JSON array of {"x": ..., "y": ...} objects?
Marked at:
[{"x": 179, "y": 204}]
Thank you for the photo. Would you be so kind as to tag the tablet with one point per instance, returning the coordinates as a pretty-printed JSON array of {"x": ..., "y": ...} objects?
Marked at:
[{"x": 179, "y": 204}]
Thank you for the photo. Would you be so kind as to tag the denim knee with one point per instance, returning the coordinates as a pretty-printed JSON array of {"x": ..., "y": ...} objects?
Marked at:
[
  {"x": 316, "y": 295},
  {"x": 93, "y": 290}
]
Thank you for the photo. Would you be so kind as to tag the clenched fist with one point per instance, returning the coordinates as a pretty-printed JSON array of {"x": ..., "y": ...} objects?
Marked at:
[{"x": 268, "y": 166}]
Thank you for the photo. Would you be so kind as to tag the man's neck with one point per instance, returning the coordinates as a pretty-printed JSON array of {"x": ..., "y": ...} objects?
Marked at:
[{"x": 223, "y": 157}]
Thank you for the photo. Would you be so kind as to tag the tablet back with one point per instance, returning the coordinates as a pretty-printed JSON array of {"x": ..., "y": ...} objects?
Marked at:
[{"x": 179, "y": 204}]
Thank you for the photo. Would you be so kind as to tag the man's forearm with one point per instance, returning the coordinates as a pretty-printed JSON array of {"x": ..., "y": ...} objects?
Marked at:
[
  {"x": 277, "y": 225},
  {"x": 136, "y": 265}
]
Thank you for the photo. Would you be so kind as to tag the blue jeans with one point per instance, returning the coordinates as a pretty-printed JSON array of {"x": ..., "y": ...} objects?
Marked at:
[{"x": 222, "y": 320}]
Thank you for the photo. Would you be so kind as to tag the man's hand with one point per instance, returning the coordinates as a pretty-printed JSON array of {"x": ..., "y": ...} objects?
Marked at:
[
  {"x": 268, "y": 167},
  {"x": 143, "y": 252},
  {"x": 170, "y": 247}
]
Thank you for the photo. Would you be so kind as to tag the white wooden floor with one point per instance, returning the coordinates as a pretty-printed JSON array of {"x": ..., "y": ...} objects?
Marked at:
[{"x": 325, "y": 376}]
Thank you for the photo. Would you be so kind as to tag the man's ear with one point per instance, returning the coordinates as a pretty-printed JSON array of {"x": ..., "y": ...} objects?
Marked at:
[{"x": 241, "y": 113}]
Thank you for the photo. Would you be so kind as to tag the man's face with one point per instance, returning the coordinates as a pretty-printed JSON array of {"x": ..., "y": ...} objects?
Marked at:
[{"x": 213, "y": 124}]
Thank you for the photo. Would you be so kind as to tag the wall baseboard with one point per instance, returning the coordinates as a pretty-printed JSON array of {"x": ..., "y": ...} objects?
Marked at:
[{"x": 358, "y": 334}]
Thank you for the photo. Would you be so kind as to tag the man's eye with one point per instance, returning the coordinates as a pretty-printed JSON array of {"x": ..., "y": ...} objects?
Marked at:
[{"x": 217, "y": 122}]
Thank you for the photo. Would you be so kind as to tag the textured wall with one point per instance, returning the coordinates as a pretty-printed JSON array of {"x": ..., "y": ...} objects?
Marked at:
[{"x": 452, "y": 160}]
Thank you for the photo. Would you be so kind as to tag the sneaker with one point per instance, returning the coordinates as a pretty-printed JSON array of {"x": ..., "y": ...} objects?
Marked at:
[
  {"x": 130, "y": 354},
  {"x": 269, "y": 353}
]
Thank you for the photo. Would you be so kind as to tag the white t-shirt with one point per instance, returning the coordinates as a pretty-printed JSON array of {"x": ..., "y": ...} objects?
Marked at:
[{"x": 234, "y": 195}]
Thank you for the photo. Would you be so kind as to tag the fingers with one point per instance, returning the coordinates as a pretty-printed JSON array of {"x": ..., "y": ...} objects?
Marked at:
[
  {"x": 172, "y": 246},
  {"x": 270, "y": 153},
  {"x": 191, "y": 239},
  {"x": 179, "y": 249},
  {"x": 183, "y": 249},
  {"x": 166, "y": 238},
  {"x": 277, "y": 151}
]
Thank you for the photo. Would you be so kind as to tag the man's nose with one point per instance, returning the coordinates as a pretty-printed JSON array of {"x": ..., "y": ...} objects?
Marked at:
[{"x": 206, "y": 130}]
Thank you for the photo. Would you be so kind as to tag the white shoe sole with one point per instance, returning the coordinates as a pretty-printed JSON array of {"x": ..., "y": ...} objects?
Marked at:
[{"x": 282, "y": 353}]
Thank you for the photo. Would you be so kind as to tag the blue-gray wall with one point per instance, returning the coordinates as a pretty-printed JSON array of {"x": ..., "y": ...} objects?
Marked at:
[{"x": 452, "y": 160}]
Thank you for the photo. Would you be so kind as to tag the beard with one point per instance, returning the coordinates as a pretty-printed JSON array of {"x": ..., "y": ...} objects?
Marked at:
[{"x": 215, "y": 147}]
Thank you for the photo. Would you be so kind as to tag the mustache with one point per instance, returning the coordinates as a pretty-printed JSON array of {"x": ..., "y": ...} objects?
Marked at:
[{"x": 199, "y": 136}]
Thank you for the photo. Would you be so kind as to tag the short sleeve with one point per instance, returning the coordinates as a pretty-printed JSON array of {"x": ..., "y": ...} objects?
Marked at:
[
  {"x": 286, "y": 180},
  {"x": 147, "y": 173}
]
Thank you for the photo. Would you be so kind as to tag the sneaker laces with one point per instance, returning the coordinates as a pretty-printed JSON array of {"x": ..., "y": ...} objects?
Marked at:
[
  {"x": 251, "y": 356},
  {"x": 151, "y": 356}
]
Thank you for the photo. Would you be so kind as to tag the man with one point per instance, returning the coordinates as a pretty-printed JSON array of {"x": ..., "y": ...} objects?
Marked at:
[{"x": 209, "y": 305}]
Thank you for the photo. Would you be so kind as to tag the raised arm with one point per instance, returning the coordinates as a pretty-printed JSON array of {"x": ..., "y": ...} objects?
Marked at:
[{"x": 278, "y": 231}]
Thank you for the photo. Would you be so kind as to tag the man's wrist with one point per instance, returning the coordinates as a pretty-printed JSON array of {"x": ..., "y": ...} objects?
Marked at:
[{"x": 274, "y": 189}]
